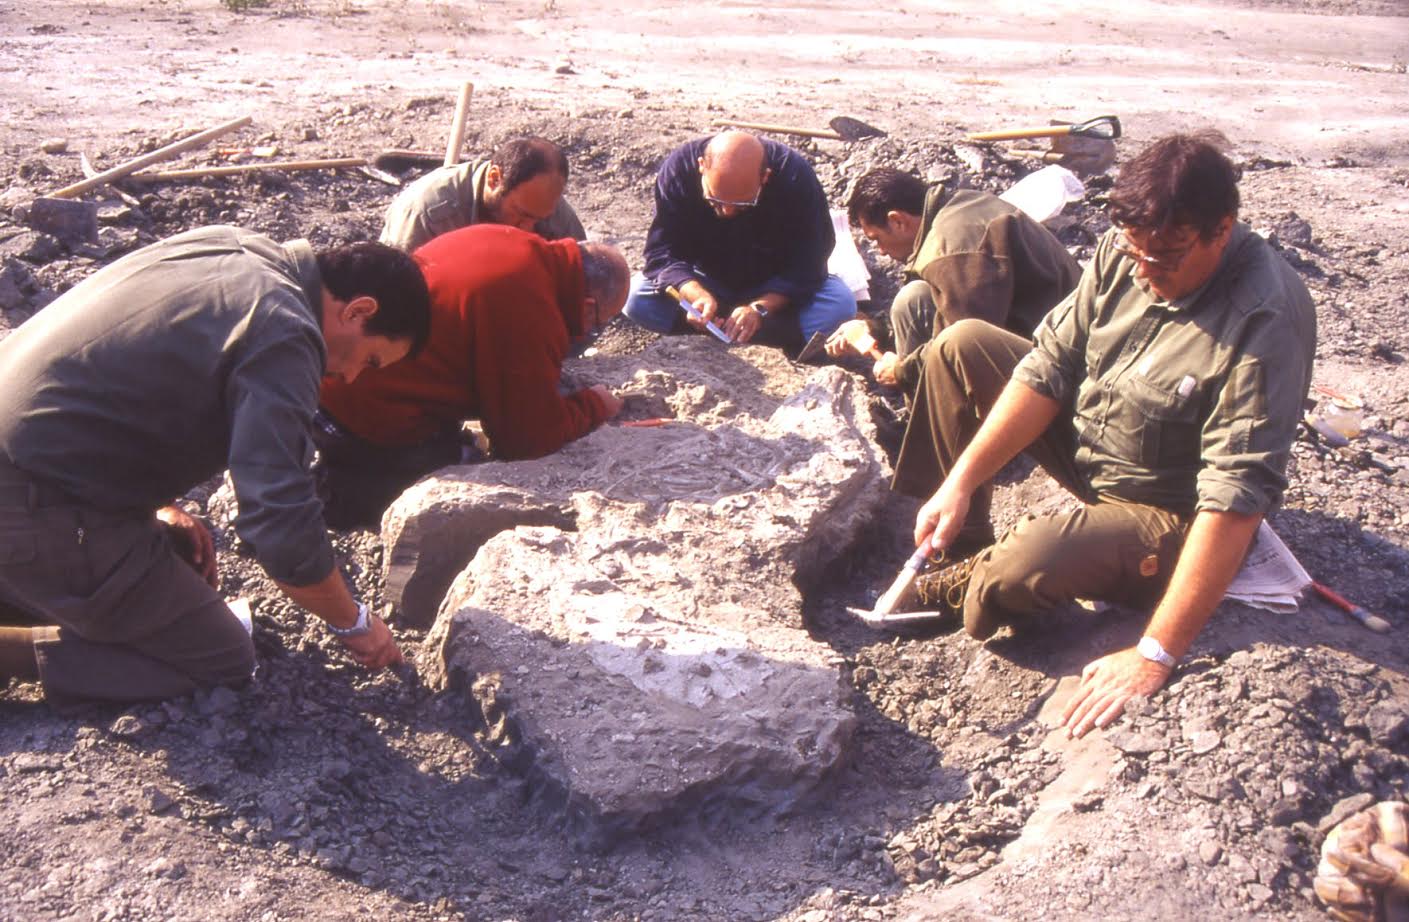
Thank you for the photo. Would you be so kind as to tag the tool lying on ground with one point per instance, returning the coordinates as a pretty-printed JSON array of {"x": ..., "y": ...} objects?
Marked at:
[
  {"x": 1373, "y": 622},
  {"x": 884, "y": 613},
  {"x": 843, "y": 128},
  {"x": 285, "y": 166},
  {"x": 1102, "y": 128},
  {"x": 694, "y": 314},
  {"x": 162, "y": 153},
  {"x": 397, "y": 159}
]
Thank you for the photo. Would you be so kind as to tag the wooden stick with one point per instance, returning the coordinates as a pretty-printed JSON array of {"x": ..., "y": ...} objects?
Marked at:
[
  {"x": 286, "y": 166},
  {"x": 779, "y": 129},
  {"x": 163, "y": 153},
  {"x": 1013, "y": 134},
  {"x": 457, "y": 127}
]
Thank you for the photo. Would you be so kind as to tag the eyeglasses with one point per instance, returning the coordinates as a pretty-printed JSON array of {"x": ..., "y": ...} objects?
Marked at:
[
  {"x": 719, "y": 203},
  {"x": 1168, "y": 258}
]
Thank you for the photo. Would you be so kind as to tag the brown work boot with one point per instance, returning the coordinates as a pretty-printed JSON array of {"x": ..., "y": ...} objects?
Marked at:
[{"x": 943, "y": 589}]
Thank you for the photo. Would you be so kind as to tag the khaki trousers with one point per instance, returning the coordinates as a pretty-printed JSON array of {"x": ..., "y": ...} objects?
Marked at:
[
  {"x": 912, "y": 316},
  {"x": 1108, "y": 549},
  {"x": 129, "y": 619}
]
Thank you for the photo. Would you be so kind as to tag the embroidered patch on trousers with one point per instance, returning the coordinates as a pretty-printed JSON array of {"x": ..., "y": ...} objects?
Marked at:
[{"x": 1149, "y": 565}]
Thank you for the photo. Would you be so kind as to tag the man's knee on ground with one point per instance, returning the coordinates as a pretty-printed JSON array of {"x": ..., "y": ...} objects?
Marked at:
[{"x": 234, "y": 666}]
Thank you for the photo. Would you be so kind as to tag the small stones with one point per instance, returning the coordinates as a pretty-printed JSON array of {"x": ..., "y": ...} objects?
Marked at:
[
  {"x": 127, "y": 726},
  {"x": 54, "y": 145},
  {"x": 1203, "y": 741},
  {"x": 1387, "y": 721},
  {"x": 155, "y": 800}
]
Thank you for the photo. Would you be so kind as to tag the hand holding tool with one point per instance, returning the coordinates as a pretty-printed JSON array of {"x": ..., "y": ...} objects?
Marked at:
[{"x": 695, "y": 314}]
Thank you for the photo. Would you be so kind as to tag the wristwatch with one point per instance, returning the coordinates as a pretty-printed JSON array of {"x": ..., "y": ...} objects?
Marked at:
[
  {"x": 761, "y": 308},
  {"x": 1151, "y": 650},
  {"x": 362, "y": 626}
]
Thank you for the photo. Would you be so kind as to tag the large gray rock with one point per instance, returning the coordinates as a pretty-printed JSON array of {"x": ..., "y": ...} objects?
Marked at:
[{"x": 630, "y": 619}]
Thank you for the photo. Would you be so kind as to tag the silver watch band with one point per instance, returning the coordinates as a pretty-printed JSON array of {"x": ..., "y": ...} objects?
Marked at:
[{"x": 362, "y": 626}]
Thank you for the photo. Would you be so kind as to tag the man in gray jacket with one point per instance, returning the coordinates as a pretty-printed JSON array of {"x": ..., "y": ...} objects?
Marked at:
[
  {"x": 520, "y": 185},
  {"x": 200, "y": 353}
]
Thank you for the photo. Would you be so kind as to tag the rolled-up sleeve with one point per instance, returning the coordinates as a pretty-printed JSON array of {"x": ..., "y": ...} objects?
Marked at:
[
  {"x": 271, "y": 393},
  {"x": 1247, "y": 439},
  {"x": 1055, "y": 366}
]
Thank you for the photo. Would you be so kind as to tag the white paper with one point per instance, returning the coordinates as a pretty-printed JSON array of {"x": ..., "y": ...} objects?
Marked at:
[
  {"x": 1045, "y": 193},
  {"x": 846, "y": 262},
  {"x": 1271, "y": 577}
]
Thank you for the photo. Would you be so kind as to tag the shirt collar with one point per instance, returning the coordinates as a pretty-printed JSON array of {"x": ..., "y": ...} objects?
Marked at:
[{"x": 305, "y": 265}]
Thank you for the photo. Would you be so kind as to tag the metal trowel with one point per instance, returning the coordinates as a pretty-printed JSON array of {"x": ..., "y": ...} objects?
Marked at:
[{"x": 814, "y": 347}]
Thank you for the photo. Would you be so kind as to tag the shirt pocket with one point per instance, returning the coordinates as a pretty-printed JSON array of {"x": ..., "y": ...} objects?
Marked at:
[{"x": 1164, "y": 425}]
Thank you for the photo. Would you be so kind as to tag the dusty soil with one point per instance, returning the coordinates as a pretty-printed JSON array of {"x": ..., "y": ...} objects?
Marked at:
[{"x": 321, "y": 792}]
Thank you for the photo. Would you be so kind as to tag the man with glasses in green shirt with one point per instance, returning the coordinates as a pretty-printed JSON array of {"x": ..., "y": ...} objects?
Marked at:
[{"x": 1165, "y": 392}]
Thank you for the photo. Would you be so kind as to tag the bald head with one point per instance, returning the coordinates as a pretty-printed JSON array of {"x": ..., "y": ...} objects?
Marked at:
[
  {"x": 733, "y": 169},
  {"x": 607, "y": 276}
]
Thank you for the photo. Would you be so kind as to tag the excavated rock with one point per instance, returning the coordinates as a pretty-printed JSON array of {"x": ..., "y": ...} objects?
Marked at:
[{"x": 630, "y": 623}]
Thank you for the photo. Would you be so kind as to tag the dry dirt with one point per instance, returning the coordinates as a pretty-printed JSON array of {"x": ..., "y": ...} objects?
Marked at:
[{"x": 323, "y": 793}]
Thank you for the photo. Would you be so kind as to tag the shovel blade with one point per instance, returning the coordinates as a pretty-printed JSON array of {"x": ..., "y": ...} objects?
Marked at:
[{"x": 853, "y": 129}]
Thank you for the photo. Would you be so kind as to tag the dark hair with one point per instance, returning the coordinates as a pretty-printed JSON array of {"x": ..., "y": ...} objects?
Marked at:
[
  {"x": 1179, "y": 180},
  {"x": 604, "y": 278},
  {"x": 388, "y": 276},
  {"x": 522, "y": 159},
  {"x": 885, "y": 190}
]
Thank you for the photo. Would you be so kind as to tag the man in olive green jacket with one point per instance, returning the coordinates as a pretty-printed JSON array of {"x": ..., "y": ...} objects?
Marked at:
[
  {"x": 520, "y": 185},
  {"x": 1165, "y": 393},
  {"x": 966, "y": 254}
]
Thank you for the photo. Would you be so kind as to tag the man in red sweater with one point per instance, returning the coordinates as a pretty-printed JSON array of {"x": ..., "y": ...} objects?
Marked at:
[{"x": 506, "y": 306}]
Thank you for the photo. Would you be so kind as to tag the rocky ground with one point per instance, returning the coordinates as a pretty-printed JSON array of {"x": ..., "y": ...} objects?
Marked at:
[{"x": 322, "y": 792}]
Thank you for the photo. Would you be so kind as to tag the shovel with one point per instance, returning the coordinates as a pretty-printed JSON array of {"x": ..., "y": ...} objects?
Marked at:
[
  {"x": 1102, "y": 128},
  {"x": 843, "y": 128}
]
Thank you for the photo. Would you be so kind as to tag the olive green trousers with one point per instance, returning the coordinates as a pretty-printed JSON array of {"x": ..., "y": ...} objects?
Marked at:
[
  {"x": 121, "y": 615},
  {"x": 1107, "y": 549}
]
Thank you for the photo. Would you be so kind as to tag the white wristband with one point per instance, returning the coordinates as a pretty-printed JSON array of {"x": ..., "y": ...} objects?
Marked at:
[{"x": 1151, "y": 650}]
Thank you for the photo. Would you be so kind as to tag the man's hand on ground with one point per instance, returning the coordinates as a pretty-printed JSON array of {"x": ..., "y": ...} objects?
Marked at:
[
  {"x": 1107, "y": 685},
  {"x": 193, "y": 541},
  {"x": 611, "y": 401},
  {"x": 743, "y": 323},
  {"x": 375, "y": 649},
  {"x": 884, "y": 369},
  {"x": 839, "y": 343}
]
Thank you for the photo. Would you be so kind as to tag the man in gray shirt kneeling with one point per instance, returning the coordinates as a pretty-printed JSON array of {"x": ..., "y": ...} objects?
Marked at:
[{"x": 200, "y": 353}]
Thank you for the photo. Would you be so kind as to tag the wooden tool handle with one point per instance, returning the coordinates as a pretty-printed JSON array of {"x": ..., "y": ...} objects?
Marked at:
[
  {"x": 286, "y": 166},
  {"x": 1013, "y": 134},
  {"x": 457, "y": 127},
  {"x": 780, "y": 129},
  {"x": 163, "y": 153}
]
